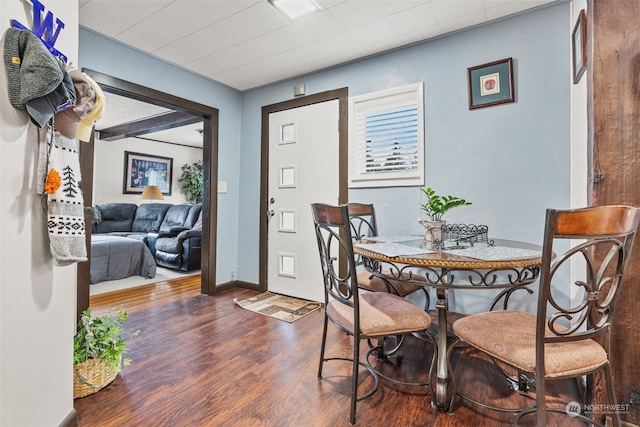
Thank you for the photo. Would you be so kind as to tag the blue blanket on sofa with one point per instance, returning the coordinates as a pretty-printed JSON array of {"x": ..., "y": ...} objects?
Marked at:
[{"x": 114, "y": 257}]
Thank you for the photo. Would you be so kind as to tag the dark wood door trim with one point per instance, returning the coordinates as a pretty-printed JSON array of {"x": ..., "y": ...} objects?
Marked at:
[
  {"x": 210, "y": 166},
  {"x": 342, "y": 95}
]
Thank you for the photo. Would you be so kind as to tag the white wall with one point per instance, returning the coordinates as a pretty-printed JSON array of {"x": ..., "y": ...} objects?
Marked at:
[
  {"x": 108, "y": 168},
  {"x": 579, "y": 150},
  {"x": 37, "y": 300}
]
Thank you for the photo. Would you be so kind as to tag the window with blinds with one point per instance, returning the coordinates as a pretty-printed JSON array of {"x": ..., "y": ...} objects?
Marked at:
[{"x": 387, "y": 138}]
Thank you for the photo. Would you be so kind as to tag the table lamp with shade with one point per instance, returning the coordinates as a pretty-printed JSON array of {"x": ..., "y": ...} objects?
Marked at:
[{"x": 152, "y": 192}]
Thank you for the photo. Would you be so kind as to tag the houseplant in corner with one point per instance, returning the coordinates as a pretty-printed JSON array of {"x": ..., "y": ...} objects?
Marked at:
[
  {"x": 435, "y": 207},
  {"x": 98, "y": 349},
  {"x": 191, "y": 181}
]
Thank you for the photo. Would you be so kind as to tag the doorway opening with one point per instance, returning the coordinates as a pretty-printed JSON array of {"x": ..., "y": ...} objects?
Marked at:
[{"x": 209, "y": 124}]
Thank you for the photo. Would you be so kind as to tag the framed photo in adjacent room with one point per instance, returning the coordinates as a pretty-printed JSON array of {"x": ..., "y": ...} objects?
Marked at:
[
  {"x": 491, "y": 84},
  {"x": 579, "y": 42},
  {"x": 141, "y": 170}
]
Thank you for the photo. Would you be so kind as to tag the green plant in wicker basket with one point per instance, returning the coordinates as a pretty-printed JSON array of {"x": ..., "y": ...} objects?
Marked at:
[
  {"x": 437, "y": 205},
  {"x": 102, "y": 337},
  {"x": 191, "y": 181}
]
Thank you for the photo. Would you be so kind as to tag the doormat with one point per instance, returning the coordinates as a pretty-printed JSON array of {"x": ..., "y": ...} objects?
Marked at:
[{"x": 281, "y": 307}]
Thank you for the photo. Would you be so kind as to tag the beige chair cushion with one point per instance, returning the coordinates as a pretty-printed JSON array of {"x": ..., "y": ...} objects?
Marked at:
[
  {"x": 376, "y": 284},
  {"x": 510, "y": 336},
  {"x": 381, "y": 314}
]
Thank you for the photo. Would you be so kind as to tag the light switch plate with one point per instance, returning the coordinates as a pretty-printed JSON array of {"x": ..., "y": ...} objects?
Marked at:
[{"x": 222, "y": 186}]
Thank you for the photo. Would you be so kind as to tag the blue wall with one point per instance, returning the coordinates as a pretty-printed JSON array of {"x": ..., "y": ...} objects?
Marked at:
[
  {"x": 107, "y": 56},
  {"x": 511, "y": 160}
]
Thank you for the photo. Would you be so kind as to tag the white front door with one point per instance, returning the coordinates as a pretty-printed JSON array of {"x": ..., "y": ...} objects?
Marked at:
[{"x": 303, "y": 169}]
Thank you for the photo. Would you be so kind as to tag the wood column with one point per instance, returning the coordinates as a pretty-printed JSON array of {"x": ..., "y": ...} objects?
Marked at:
[{"x": 614, "y": 128}]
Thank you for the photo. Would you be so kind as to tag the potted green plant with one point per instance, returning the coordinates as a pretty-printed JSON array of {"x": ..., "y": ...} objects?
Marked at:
[
  {"x": 98, "y": 349},
  {"x": 435, "y": 207},
  {"x": 191, "y": 181}
]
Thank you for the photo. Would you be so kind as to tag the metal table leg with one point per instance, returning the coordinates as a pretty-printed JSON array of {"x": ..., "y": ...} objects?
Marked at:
[{"x": 442, "y": 361}]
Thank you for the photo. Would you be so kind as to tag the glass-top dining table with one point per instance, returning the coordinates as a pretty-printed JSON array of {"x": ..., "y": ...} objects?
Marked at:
[{"x": 502, "y": 265}]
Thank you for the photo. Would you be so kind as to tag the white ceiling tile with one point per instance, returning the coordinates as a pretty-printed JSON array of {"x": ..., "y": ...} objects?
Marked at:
[
  {"x": 422, "y": 34},
  {"x": 242, "y": 26},
  {"x": 328, "y": 4},
  {"x": 243, "y": 54},
  {"x": 447, "y": 10},
  {"x": 280, "y": 40},
  {"x": 317, "y": 26},
  {"x": 412, "y": 20},
  {"x": 374, "y": 32},
  {"x": 252, "y": 22},
  {"x": 390, "y": 7},
  {"x": 329, "y": 46},
  {"x": 499, "y": 8},
  {"x": 385, "y": 45},
  {"x": 462, "y": 22},
  {"x": 107, "y": 17},
  {"x": 179, "y": 19},
  {"x": 211, "y": 64},
  {"x": 355, "y": 13}
]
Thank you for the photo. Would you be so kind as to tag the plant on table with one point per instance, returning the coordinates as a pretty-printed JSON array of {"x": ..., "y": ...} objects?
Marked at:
[{"x": 436, "y": 206}]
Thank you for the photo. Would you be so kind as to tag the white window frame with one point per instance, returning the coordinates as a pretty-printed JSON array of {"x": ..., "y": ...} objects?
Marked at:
[{"x": 384, "y": 99}]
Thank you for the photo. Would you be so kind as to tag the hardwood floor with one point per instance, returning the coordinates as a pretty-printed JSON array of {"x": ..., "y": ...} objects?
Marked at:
[
  {"x": 203, "y": 361},
  {"x": 146, "y": 296}
]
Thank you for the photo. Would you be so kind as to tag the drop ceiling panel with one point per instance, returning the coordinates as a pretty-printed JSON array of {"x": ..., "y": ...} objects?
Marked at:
[
  {"x": 497, "y": 9},
  {"x": 373, "y": 33},
  {"x": 111, "y": 17},
  {"x": 182, "y": 18},
  {"x": 389, "y": 8},
  {"x": 248, "y": 43},
  {"x": 354, "y": 14},
  {"x": 447, "y": 10},
  {"x": 211, "y": 65},
  {"x": 415, "y": 19}
]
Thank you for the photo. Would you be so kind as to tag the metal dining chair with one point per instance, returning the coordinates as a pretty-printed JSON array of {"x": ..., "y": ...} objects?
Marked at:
[
  {"x": 368, "y": 315},
  {"x": 563, "y": 339}
]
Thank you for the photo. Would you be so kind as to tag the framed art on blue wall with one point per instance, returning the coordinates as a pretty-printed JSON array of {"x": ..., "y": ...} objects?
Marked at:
[
  {"x": 141, "y": 170},
  {"x": 579, "y": 41},
  {"x": 491, "y": 84}
]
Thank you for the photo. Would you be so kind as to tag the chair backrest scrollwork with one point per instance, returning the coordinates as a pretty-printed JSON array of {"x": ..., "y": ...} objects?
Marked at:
[
  {"x": 335, "y": 245},
  {"x": 600, "y": 239}
]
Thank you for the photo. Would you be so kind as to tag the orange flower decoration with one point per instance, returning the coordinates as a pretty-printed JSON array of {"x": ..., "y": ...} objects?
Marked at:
[{"x": 53, "y": 182}]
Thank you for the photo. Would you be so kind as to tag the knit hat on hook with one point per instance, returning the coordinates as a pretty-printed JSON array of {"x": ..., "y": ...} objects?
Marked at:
[{"x": 37, "y": 81}]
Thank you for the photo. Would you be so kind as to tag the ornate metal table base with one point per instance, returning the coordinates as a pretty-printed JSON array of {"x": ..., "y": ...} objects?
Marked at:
[{"x": 445, "y": 275}]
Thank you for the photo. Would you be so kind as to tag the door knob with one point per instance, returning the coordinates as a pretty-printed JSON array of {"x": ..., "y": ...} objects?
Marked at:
[{"x": 270, "y": 213}]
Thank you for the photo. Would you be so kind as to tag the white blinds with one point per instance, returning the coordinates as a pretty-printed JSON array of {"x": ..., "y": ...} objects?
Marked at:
[
  {"x": 387, "y": 138},
  {"x": 390, "y": 139}
]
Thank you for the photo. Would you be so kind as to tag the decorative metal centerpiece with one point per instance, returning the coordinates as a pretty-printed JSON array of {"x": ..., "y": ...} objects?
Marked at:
[{"x": 454, "y": 236}]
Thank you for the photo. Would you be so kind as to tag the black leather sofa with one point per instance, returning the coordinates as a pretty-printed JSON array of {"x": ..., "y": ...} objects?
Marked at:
[{"x": 168, "y": 230}]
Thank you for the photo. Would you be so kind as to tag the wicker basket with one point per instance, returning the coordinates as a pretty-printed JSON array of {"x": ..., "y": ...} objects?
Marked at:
[{"x": 91, "y": 376}]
